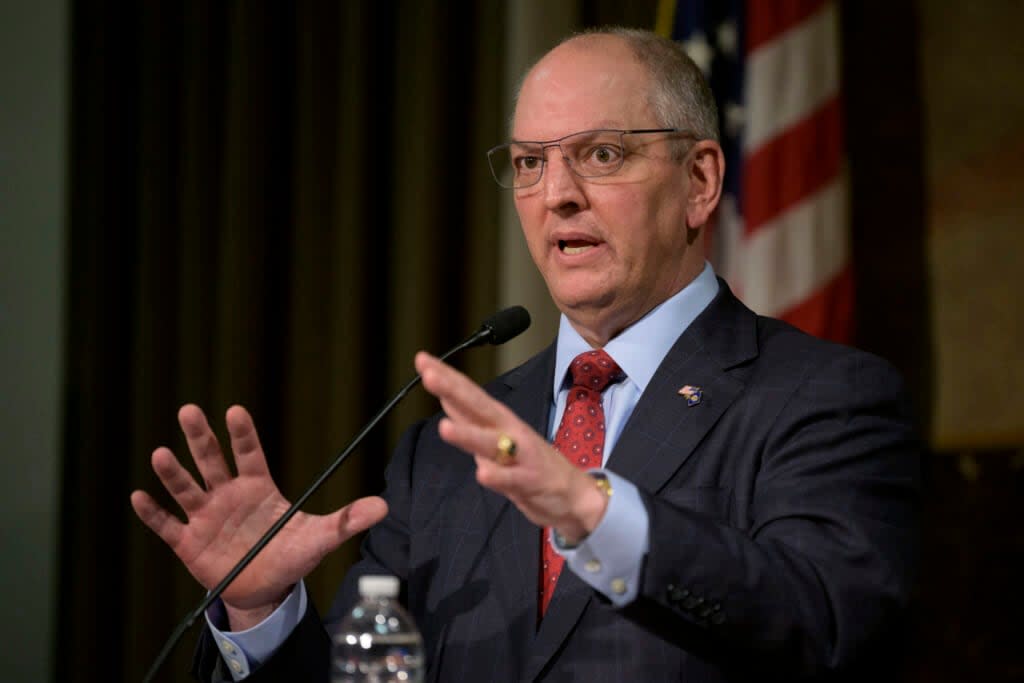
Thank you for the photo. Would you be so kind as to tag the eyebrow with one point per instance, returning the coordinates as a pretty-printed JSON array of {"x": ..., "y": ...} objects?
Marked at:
[{"x": 629, "y": 131}]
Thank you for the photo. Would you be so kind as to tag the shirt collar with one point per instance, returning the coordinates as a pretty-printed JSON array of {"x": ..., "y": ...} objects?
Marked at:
[{"x": 640, "y": 348}]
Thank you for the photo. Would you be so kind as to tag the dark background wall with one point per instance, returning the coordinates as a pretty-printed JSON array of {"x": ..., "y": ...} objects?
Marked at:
[{"x": 33, "y": 169}]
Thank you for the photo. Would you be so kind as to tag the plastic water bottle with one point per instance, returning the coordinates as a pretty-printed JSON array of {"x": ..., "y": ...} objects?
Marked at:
[{"x": 377, "y": 642}]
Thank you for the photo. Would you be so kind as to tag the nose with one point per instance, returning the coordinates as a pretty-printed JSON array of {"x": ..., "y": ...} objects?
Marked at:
[{"x": 562, "y": 189}]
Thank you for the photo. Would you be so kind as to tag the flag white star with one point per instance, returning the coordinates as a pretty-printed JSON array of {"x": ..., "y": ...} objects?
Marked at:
[
  {"x": 700, "y": 51},
  {"x": 727, "y": 38},
  {"x": 735, "y": 117}
]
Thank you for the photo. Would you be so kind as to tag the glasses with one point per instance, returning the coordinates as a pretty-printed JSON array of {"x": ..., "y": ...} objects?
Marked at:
[{"x": 590, "y": 154}]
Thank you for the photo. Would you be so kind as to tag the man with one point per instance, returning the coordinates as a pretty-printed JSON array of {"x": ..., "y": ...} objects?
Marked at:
[{"x": 754, "y": 512}]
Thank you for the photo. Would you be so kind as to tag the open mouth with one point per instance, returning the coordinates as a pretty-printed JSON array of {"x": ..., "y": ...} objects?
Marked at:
[{"x": 574, "y": 246}]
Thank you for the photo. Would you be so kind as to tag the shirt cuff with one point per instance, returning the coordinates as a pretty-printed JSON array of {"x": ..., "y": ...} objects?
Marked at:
[
  {"x": 610, "y": 558},
  {"x": 244, "y": 651}
]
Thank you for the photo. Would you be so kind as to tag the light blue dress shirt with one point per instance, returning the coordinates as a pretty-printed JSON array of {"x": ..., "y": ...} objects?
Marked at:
[{"x": 610, "y": 558}]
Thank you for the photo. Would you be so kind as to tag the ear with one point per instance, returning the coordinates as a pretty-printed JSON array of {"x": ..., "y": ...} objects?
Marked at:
[{"x": 705, "y": 170}]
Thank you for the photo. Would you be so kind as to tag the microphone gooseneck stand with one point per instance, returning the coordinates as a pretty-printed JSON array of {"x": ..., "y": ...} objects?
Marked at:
[{"x": 498, "y": 329}]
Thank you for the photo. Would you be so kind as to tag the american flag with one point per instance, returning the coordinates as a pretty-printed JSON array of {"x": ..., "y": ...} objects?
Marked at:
[{"x": 780, "y": 236}]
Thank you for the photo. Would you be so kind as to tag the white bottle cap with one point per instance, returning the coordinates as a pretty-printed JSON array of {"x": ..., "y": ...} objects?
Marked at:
[{"x": 378, "y": 586}]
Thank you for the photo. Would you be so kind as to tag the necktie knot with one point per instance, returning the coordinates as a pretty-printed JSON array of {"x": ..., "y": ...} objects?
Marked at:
[{"x": 594, "y": 370}]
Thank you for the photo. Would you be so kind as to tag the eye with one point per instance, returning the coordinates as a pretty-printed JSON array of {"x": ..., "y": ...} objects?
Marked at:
[
  {"x": 526, "y": 163},
  {"x": 603, "y": 155}
]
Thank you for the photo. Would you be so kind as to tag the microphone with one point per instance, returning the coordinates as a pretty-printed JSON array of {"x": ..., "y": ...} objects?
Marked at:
[{"x": 498, "y": 329}]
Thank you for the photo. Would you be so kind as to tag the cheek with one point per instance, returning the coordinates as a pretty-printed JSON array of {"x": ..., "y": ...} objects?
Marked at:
[
  {"x": 669, "y": 219},
  {"x": 531, "y": 222},
  {"x": 637, "y": 223},
  {"x": 653, "y": 238}
]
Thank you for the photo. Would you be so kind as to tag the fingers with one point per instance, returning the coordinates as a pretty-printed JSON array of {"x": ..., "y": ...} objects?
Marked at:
[
  {"x": 162, "y": 523},
  {"x": 245, "y": 443},
  {"x": 470, "y": 437},
  {"x": 203, "y": 445},
  {"x": 474, "y": 419},
  {"x": 178, "y": 482},
  {"x": 537, "y": 479},
  {"x": 536, "y": 467},
  {"x": 462, "y": 398},
  {"x": 501, "y": 478}
]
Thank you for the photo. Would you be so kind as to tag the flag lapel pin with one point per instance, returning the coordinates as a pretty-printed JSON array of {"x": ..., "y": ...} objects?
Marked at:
[{"x": 692, "y": 394}]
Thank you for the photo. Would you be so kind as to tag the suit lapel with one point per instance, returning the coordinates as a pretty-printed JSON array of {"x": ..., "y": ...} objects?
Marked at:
[
  {"x": 519, "y": 577},
  {"x": 664, "y": 429},
  {"x": 661, "y": 434}
]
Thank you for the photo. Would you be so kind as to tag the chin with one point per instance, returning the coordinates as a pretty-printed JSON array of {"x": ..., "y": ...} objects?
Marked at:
[
  {"x": 583, "y": 303},
  {"x": 581, "y": 288}
]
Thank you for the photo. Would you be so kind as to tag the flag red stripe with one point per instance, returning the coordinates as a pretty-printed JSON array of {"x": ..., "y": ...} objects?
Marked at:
[
  {"x": 793, "y": 165},
  {"x": 828, "y": 313},
  {"x": 766, "y": 19}
]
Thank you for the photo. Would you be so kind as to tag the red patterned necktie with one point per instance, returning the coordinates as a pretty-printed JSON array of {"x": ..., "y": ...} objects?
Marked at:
[{"x": 580, "y": 438}]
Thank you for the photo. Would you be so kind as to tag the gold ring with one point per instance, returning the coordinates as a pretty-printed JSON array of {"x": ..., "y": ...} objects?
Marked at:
[{"x": 506, "y": 450}]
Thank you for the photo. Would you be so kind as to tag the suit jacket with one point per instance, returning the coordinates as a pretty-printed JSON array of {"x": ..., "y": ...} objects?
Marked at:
[{"x": 783, "y": 515}]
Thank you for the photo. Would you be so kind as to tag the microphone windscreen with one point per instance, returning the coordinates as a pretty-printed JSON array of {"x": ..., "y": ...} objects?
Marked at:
[{"x": 507, "y": 324}]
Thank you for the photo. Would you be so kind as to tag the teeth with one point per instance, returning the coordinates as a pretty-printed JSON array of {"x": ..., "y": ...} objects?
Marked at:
[{"x": 577, "y": 250}]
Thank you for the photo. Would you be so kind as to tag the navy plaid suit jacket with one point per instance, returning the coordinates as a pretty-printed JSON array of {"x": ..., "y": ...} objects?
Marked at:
[{"x": 783, "y": 528}]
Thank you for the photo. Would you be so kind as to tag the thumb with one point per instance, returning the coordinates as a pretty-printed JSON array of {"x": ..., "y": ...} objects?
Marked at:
[{"x": 357, "y": 516}]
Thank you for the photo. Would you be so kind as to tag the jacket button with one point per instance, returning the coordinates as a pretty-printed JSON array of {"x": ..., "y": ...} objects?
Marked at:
[{"x": 677, "y": 594}]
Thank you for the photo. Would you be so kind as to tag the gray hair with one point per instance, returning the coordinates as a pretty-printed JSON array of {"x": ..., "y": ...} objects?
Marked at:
[{"x": 680, "y": 97}]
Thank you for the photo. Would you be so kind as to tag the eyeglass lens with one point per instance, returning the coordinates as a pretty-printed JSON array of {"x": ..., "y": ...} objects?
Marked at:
[{"x": 589, "y": 154}]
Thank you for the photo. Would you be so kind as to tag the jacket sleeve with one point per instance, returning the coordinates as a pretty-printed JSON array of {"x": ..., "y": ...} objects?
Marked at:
[{"x": 304, "y": 657}]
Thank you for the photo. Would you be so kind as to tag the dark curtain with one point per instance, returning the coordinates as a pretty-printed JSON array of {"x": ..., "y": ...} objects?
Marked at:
[{"x": 271, "y": 204}]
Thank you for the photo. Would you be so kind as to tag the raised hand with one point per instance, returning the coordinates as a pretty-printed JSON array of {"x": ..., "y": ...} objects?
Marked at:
[
  {"x": 543, "y": 484},
  {"x": 227, "y": 516}
]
